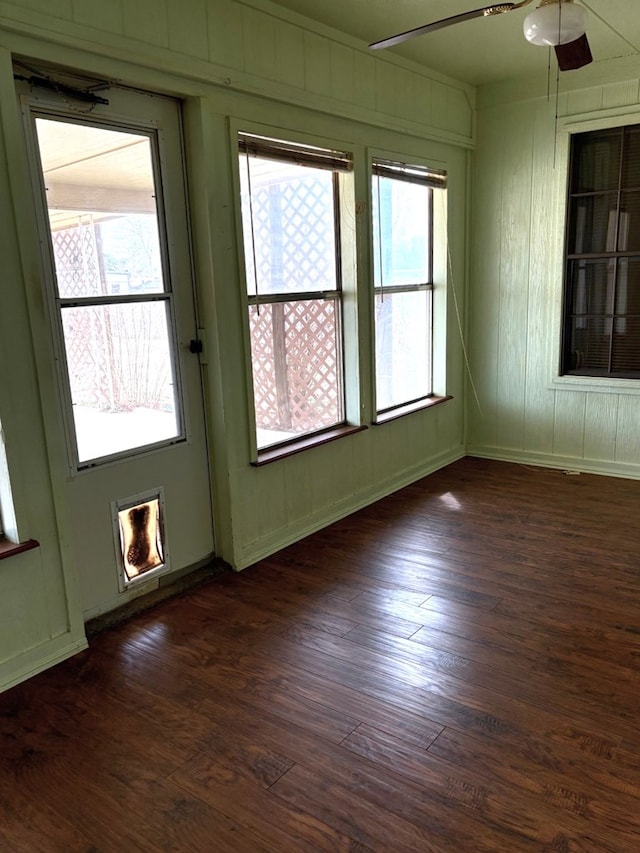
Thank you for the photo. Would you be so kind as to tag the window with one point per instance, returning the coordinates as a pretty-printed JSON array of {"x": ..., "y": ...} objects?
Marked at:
[
  {"x": 292, "y": 249},
  {"x": 403, "y": 243},
  {"x": 7, "y": 518},
  {"x": 113, "y": 301},
  {"x": 601, "y": 327}
]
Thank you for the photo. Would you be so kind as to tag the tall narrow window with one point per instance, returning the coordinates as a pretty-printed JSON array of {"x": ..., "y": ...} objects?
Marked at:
[
  {"x": 290, "y": 217},
  {"x": 403, "y": 200},
  {"x": 602, "y": 274},
  {"x": 113, "y": 300}
]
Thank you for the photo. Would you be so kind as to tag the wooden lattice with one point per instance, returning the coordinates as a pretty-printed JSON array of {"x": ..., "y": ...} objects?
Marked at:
[
  {"x": 117, "y": 355},
  {"x": 86, "y": 336},
  {"x": 296, "y": 375},
  {"x": 296, "y": 370},
  {"x": 292, "y": 227}
]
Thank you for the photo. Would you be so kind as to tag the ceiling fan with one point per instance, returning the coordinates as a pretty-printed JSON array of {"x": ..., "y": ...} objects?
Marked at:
[{"x": 557, "y": 23}]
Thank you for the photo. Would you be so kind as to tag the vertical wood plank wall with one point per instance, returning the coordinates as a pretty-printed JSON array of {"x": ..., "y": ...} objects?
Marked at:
[
  {"x": 515, "y": 292},
  {"x": 230, "y": 61}
]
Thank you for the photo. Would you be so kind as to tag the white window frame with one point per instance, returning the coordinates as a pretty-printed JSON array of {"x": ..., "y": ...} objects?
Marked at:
[
  {"x": 433, "y": 175},
  {"x": 34, "y": 107},
  {"x": 579, "y": 123},
  {"x": 290, "y": 148}
]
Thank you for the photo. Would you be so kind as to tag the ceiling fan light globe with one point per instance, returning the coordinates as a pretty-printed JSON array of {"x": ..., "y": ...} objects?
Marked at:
[{"x": 557, "y": 23}]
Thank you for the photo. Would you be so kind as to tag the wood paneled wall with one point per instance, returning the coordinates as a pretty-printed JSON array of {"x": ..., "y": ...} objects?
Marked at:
[
  {"x": 526, "y": 413},
  {"x": 232, "y": 62}
]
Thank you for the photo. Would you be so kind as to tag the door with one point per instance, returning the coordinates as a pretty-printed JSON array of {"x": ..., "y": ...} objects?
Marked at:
[{"x": 110, "y": 192}]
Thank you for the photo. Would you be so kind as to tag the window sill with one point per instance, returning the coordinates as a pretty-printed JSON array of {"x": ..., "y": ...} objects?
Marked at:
[
  {"x": 275, "y": 453},
  {"x": 595, "y": 384},
  {"x": 9, "y": 549},
  {"x": 401, "y": 411}
]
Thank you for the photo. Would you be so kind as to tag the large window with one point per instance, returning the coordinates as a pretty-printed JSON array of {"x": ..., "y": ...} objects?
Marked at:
[
  {"x": 601, "y": 330},
  {"x": 291, "y": 231},
  {"x": 403, "y": 238},
  {"x": 113, "y": 299}
]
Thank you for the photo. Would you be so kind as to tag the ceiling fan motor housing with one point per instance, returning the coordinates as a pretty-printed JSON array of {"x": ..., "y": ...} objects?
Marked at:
[{"x": 555, "y": 22}]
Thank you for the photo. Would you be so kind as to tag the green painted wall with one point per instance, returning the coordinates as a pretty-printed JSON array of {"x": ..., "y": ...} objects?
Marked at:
[
  {"x": 525, "y": 412},
  {"x": 234, "y": 64}
]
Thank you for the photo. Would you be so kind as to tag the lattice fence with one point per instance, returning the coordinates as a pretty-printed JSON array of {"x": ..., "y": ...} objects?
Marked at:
[
  {"x": 296, "y": 365},
  {"x": 117, "y": 355}
]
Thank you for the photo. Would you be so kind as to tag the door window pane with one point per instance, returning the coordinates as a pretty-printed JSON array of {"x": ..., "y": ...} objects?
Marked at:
[
  {"x": 112, "y": 294},
  {"x": 119, "y": 363}
]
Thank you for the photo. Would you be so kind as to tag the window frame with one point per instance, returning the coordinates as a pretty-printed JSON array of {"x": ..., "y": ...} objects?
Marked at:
[
  {"x": 570, "y": 258},
  {"x": 247, "y": 140},
  {"x": 35, "y": 107},
  {"x": 412, "y": 171}
]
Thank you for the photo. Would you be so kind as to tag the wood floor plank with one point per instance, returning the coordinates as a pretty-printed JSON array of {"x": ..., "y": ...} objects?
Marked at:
[{"x": 454, "y": 669}]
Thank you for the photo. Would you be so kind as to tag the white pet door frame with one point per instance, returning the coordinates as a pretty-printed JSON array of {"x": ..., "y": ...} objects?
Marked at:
[{"x": 140, "y": 540}]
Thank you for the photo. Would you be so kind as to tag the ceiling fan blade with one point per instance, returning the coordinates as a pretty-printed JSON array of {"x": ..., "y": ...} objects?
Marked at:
[
  {"x": 438, "y": 25},
  {"x": 574, "y": 54}
]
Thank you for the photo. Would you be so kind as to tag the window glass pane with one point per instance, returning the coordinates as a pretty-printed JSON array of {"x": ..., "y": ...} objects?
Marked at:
[
  {"x": 592, "y": 283},
  {"x": 628, "y": 286},
  {"x": 102, "y": 209},
  {"x": 105, "y": 233},
  {"x": 631, "y": 164},
  {"x": 590, "y": 340},
  {"x": 593, "y": 224},
  {"x": 629, "y": 224},
  {"x": 121, "y": 377},
  {"x": 401, "y": 232},
  {"x": 626, "y": 345},
  {"x": 288, "y": 227},
  {"x": 596, "y": 161},
  {"x": 296, "y": 368},
  {"x": 403, "y": 347}
]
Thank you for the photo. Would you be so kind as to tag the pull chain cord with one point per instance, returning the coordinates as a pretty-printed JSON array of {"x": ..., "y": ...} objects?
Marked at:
[
  {"x": 458, "y": 318},
  {"x": 380, "y": 240},
  {"x": 253, "y": 237},
  {"x": 555, "y": 119}
]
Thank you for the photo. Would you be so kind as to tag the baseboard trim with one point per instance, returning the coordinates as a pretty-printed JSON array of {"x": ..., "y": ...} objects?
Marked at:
[
  {"x": 36, "y": 660},
  {"x": 627, "y": 470},
  {"x": 186, "y": 580},
  {"x": 287, "y": 536}
]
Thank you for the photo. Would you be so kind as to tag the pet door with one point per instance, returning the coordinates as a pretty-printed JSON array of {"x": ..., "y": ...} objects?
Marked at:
[{"x": 141, "y": 545}]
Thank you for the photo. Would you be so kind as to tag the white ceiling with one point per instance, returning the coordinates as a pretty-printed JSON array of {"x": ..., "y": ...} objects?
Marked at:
[{"x": 479, "y": 51}]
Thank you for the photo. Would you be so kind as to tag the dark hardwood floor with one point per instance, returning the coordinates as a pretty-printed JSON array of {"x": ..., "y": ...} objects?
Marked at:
[{"x": 456, "y": 668}]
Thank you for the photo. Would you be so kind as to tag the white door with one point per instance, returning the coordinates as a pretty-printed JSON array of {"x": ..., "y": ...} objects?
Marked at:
[{"x": 110, "y": 191}]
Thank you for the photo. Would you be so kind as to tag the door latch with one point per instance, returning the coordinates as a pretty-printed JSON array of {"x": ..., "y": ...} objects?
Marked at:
[{"x": 198, "y": 346}]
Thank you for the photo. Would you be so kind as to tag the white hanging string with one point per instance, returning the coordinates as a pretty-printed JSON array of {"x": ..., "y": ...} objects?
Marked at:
[
  {"x": 457, "y": 309},
  {"x": 380, "y": 240}
]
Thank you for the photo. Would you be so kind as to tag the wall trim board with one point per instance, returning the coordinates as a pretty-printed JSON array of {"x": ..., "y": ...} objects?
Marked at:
[
  {"x": 32, "y": 662},
  {"x": 626, "y": 470},
  {"x": 299, "y": 20},
  {"x": 40, "y": 36},
  {"x": 284, "y": 537},
  {"x": 534, "y": 87}
]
